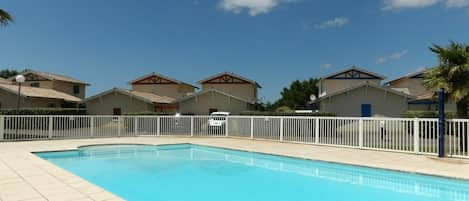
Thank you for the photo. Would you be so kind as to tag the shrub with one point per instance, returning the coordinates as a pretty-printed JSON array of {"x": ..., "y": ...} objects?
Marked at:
[
  {"x": 43, "y": 111},
  {"x": 428, "y": 114},
  {"x": 283, "y": 109},
  {"x": 259, "y": 113},
  {"x": 150, "y": 113}
]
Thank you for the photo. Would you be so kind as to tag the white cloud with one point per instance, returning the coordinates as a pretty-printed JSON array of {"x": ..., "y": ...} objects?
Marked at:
[
  {"x": 333, "y": 23},
  {"x": 394, "y": 56},
  {"x": 401, "y": 4},
  {"x": 457, "y": 3},
  {"x": 398, "y": 4},
  {"x": 326, "y": 66},
  {"x": 254, "y": 7}
]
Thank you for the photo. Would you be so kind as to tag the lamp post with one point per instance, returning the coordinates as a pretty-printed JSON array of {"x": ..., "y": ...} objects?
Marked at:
[{"x": 19, "y": 79}]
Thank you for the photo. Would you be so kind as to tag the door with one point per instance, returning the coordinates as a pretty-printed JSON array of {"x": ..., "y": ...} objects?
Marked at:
[
  {"x": 116, "y": 111},
  {"x": 366, "y": 110}
]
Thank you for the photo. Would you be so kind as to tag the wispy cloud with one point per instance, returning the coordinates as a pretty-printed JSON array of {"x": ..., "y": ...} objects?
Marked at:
[
  {"x": 399, "y": 4},
  {"x": 253, "y": 7},
  {"x": 333, "y": 23},
  {"x": 326, "y": 66},
  {"x": 391, "y": 57},
  {"x": 402, "y": 4},
  {"x": 457, "y": 3}
]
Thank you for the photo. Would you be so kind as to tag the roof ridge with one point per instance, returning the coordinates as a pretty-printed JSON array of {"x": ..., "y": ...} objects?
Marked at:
[
  {"x": 231, "y": 74},
  {"x": 162, "y": 76}
]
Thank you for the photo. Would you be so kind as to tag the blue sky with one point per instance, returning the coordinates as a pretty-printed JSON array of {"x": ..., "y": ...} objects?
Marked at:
[{"x": 108, "y": 43}]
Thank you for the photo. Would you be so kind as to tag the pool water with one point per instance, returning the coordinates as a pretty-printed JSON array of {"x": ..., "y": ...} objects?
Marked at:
[{"x": 197, "y": 173}]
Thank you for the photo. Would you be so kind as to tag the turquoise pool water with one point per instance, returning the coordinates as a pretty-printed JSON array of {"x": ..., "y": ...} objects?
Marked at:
[{"x": 198, "y": 173}]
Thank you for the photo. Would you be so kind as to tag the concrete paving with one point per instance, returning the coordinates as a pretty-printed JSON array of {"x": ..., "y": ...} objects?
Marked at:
[{"x": 26, "y": 177}]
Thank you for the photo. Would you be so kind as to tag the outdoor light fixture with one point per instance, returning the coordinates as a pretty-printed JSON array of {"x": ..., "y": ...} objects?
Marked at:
[{"x": 19, "y": 79}]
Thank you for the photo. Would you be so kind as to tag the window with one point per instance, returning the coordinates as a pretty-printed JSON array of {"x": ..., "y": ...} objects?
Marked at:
[
  {"x": 76, "y": 89},
  {"x": 116, "y": 111},
  {"x": 52, "y": 105},
  {"x": 35, "y": 84}
]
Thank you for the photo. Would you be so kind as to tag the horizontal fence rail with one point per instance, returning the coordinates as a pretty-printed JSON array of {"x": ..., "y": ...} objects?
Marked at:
[{"x": 407, "y": 135}]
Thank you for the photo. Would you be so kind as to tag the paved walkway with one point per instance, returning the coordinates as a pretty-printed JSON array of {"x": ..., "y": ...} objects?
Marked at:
[{"x": 24, "y": 176}]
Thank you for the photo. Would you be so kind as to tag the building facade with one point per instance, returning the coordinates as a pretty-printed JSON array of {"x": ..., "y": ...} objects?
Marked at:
[
  {"x": 358, "y": 93},
  {"x": 42, "y": 90},
  {"x": 158, "y": 93}
]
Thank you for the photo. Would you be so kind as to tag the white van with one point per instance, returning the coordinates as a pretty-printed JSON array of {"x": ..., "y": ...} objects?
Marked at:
[{"x": 218, "y": 119}]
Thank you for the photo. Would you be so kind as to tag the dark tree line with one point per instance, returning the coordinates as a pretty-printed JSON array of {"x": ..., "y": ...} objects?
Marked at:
[
  {"x": 295, "y": 96},
  {"x": 7, "y": 73}
]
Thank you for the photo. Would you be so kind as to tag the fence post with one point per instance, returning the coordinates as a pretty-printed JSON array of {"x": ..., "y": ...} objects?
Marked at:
[
  {"x": 92, "y": 126},
  {"x": 136, "y": 125},
  {"x": 158, "y": 124},
  {"x": 226, "y": 126},
  {"x": 192, "y": 126},
  {"x": 416, "y": 135},
  {"x": 360, "y": 133},
  {"x": 118, "y": 126},
  {"x": 316, "y": 130},
  {"x": 281, "y": 128},
  {"x": 51, "y": 121},
  {"x": 252, "y": 127},
  {"x": 2, "y": 127}
]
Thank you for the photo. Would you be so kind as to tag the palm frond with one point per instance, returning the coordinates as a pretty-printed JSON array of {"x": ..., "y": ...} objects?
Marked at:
[{"x": 5, "y": 18}]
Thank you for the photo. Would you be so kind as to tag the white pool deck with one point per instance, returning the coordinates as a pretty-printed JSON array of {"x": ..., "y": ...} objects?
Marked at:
[{"x": 26, "y": 177}]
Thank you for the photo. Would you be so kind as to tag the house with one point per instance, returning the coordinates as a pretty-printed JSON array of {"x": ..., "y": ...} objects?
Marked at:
[
  {"x": 225, "y": 91},
  {"x": 413, "y": 84},
  {"x": 41, "y": 90},
  {"x": 158, "y": 93},
  {"x": 162, "y": 85},
  {"x": 233, "y": 84},
  {"x": 122, "y": 101},
  {"x": 357, "y": 92},
  {"x": 61, "y": 83},
  {"x": 149, "y": 93},
  {"x": 343, "y": 79},
  {"x": 33, "y": 97}
]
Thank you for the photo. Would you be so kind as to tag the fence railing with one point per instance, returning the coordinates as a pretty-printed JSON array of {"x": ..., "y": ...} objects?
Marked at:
[{"x": 408, "y": 135}]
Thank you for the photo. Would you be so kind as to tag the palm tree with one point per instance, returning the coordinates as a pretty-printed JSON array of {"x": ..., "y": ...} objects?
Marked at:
[
  {"x": 452, "y": 74},
  {"x": 5, "y": 18}
]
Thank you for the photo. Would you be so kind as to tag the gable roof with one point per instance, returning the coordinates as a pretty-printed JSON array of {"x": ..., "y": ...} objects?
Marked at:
[
  {"x": 387, "y": 89},
  {"x": 39, "y": 92},
  {"x": 410, "y": 75},
  {"x": 214, "y": 91},
  {"x": 355, "y": 68},
  {"x": 51, "y": 76},
  {"x": 4, "y": 81},
  {"x": 161, "y": 76},
  {"x": 232, "y": 75},
  {"x": 143, "y": 96}
]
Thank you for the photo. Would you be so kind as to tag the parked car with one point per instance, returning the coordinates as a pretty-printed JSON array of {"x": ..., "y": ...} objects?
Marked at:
[{"x": 218, "y": 119}]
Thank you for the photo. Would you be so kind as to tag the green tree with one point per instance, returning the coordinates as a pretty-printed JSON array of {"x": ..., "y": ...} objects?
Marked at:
[
  {"x": 452, "y": 74},
  {"x": 7, "y": 73},
  {"x": 5, "y": 18},
  {"x": 297, "y": 95}
]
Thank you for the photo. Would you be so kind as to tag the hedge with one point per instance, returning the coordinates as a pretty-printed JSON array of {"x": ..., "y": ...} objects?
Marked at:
[
  {"x": 43, "y": 111},
  {"x": 428, "y": 114},
  {"x": 149, "y": 113},
  {"x": 269, "y": 113}
]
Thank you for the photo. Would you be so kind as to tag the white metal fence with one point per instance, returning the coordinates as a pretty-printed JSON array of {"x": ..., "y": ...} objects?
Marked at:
[{"x": 390, "y": 134}]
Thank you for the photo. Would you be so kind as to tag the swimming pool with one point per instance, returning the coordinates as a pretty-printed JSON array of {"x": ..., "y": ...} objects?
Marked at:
[{"x": 188, "y": 172}]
